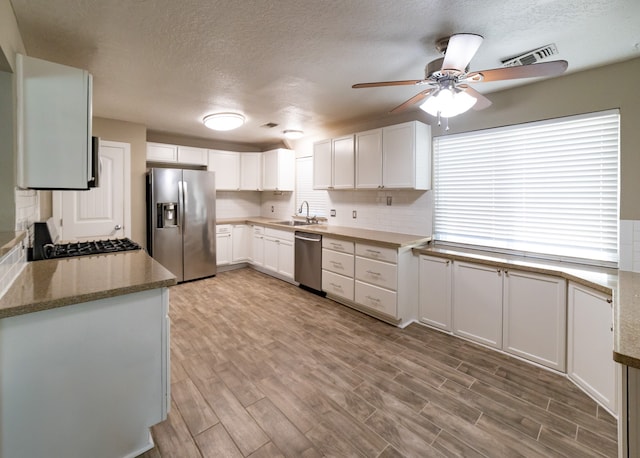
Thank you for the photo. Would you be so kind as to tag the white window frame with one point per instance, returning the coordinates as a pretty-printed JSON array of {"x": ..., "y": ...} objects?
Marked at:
[{"x": 547, "y": 188}]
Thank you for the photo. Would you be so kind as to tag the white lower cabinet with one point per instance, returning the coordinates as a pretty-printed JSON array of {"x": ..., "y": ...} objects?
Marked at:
[
  {"x": 338, "y": 268},
  {"x": 435, "y": 292},
  {"x": 278, "y": 252},
  {"x": 590, "y": 344},
  {"x": 522, "y": 313},
  {"x": 257, "y": 251},
  {"x": 380, "y": 299},
  {"x": 477, "y": 303},
  {"x": 223, "y": 244},
  {"x": 534, "y": 320},
  {"x": 240, "y": 243}
]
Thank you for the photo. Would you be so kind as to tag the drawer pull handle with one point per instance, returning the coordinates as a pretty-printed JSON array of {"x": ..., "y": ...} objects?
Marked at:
[
  {"x": 372, "y": 251},
  {"x": 373, "y": 299},
  {"x": 336, "y": 286},
  {"x": 371, "y": 272}
]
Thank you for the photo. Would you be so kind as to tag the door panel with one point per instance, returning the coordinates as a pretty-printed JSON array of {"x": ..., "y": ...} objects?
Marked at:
[{"x": 100, "y": 212}]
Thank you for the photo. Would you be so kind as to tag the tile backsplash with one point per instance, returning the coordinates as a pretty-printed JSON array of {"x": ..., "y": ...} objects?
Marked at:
[
  {"x": 10, "y": 266},
  {"x": 27, "y": 210},
  {"x": 237, "y": 204},
  {"x": 629, "y": 245}
]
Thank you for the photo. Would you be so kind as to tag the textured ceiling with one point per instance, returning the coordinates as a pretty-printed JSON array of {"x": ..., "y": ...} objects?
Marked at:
[{"x": 168, "y": 63}]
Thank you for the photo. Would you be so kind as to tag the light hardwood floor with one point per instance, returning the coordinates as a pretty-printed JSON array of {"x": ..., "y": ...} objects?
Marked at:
[{"x": 262, "y": 368}]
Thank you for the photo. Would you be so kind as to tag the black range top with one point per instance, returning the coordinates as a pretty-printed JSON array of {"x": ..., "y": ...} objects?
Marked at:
[{"x": 65, "y": 250}]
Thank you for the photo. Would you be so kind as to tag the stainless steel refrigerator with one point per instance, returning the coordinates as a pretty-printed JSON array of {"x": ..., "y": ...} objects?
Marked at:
[{"x": 181, "y": 221}]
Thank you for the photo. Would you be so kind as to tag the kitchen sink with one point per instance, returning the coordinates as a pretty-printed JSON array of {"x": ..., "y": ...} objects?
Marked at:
[{"x": 294, "y": 223}]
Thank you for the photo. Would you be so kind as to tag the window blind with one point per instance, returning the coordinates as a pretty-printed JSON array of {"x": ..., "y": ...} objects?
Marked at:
[
  {"x": 548, "y": 187},
  {"x": 304, "y": 189}
]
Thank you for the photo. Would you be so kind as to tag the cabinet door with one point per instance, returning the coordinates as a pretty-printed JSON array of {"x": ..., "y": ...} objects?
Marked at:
[
  {"x": 368, "y": 146},
  {"x": 250, "y": 171},
  {"x": 240, "y": 243},
  {"x": 223, "y": 249},
  {"x": 226, "y": 164},
  {"x": 343, "y": 163},
  {"x": 257, "y": 254},
  {"x": 435, "y": 292},
  {"x": 270, "y": 253},
  {"x": 590, "y": 344},
  {"x": 477, "y": 303},
  {"x": 398, "y": 160},
  {"x": 286, "y": 258},
  {"x": 322, "y": 165},
  {"x": 279, "y": 169},
  {"x": 535, "y": 317},
  {"x": 161, "y": 152},
  {"x": 53, "y": 125},
  {"x": 189, "y": 155}
]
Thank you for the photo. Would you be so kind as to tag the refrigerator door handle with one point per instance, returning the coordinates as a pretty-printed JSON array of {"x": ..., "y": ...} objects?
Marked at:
[{"x": 181, "y": 219}]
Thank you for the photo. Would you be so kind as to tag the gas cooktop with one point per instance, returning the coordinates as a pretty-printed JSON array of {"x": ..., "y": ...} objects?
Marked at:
[{"x": 65, "y": 250}]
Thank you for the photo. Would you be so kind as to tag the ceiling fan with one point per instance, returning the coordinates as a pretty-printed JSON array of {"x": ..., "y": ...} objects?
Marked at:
[{"x": 448, "y": 93}]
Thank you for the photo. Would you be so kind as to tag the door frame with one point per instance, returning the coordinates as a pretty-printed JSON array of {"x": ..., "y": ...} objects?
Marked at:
[{"x": 56, "y": 198}]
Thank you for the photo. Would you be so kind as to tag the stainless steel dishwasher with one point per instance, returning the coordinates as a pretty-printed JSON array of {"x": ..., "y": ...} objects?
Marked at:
[{"x": 308, "y": 256}]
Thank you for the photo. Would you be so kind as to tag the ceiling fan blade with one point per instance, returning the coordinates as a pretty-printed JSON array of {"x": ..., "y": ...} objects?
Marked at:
[
  {"x": 481, "y": 101},
  {"x": 390, "y": 83},
  {"x": 460, "y": 50},
  {"x": 552, "y": 68},
  {"x": 415, "y": 99}
]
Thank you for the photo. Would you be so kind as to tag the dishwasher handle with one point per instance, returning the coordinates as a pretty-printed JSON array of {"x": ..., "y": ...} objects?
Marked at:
[{"x": 308, "y": 239}]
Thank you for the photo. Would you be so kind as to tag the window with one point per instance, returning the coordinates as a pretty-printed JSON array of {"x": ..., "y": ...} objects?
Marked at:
[
  {"x": 304, "y": 189},
  {"x": 548, "y": 187}
]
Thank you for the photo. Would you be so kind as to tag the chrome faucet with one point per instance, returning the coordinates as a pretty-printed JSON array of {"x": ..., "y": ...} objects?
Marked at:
[{"x": 302, "y": 205}]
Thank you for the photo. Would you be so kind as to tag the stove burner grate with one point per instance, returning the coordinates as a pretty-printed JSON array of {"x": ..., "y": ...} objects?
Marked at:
[{"x": 66, "y": 250}]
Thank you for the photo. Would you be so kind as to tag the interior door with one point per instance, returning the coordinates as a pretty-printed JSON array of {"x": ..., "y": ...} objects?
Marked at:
[{"x": 100, "y": 212}]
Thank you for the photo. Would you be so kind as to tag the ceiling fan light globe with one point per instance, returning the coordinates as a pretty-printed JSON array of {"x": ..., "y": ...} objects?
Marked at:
[{"x": 449, "y": 104}]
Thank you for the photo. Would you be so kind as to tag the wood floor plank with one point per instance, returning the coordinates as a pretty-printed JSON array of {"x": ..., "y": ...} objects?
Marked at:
[
  {"x": 239, "y": 424},
  {"x": 172, "y": 437},
  {"x": 280, "y": 368},
  {"x": 289, "y": 440},
  {"x": 215, "y": 442},
  {"x": 195, "y": 411},
  {"x": 404, "y": 440}
]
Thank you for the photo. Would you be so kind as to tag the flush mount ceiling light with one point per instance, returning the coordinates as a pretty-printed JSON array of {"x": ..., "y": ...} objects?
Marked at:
[
  {"x": 293, "y": 134},
  {"x": 223, "y": 121}
]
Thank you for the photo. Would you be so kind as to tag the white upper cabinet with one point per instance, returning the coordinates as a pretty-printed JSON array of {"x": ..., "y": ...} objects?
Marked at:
[
  {"x": 279, "y": 170},
  {"x": 250, "y": 171},
  {"x": 322, "y": 165},
  {"x": 161, "y": 152},
  {"x": 334, "y": 163},
  {"x": 226, "y": 164},
  {"x": 369, "y": 159},
  {"x": 53, "y": 125},
  {"x": 190, "y": 155},
  {"x": 394, "y": 157}
]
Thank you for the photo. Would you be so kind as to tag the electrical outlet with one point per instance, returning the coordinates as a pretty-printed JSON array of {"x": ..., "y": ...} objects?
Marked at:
[
  {"x": 389, "y": 200},
  {"x": 333, "y": 212},
  {"x": 272, "y": 209},
  {"x": 354, "y": 215}
]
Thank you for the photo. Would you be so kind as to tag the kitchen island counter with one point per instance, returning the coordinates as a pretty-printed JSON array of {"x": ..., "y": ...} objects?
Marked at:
[{"x": 53, "y": 283}]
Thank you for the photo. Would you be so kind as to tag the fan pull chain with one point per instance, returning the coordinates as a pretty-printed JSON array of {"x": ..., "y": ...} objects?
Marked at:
[
  {"x": 447, "y": 127},
  {"x": 439, "y": 120}
]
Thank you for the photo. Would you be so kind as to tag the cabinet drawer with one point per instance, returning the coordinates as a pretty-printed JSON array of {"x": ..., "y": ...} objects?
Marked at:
[
  {"x": 338, "y": 285},
  {"x": 377, "y": 298},
  {"x": 278, "y": 234},
  {"x": 337, "y": 245},
  {"x": 223, "y": 229},
  {"x": 340, "y": 263},
  {"x": 258, "y": 230},
  {"x": 377, "y": 252},
  {"x": 377, "y": 272}
]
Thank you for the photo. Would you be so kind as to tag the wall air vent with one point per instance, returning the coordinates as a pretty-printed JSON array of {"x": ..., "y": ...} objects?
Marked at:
[
  {"x": 531, "y": 57},
  {"x": 269, "y": 125}
]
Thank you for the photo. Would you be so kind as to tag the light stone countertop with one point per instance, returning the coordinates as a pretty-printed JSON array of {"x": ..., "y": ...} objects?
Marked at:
[
  {"x": 8, "y": 240},
  {"x": 623, "y": 286},
  {"x": 55, "y": 283},
  {"x": 381, "y": 238}
]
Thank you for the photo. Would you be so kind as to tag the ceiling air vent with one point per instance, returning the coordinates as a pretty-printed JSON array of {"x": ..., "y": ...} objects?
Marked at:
[
  {"x": 269, "y": 125},
  {"x": 531, "y": 57}
]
